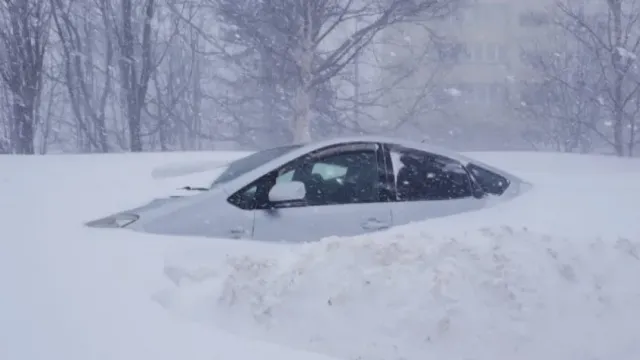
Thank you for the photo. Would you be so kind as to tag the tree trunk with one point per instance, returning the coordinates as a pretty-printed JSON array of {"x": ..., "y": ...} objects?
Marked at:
[
  {"x": 131, "y": 78},
  {"x": 23, "y": 128},
  {"x": 268, "y": 94},
  {"x": 616, "y": 58},
  {"x": 303, "y": 94},
  {"x": 135, "y": 88},
  {"x": 135, "y": 132},
  {"x": 24, "y": 45},
  {"x": 196, "y": 102},
  {"x": 302, "y": 114}
]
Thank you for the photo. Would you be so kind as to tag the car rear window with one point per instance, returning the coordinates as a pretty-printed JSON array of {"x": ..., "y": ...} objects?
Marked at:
[{"x": 242, "y": 166}]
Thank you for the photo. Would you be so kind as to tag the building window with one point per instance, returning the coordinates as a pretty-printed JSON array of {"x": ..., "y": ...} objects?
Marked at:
[
  {"x": 503, "y": 53},
  {"x": 477, "y": 52},
  {"x": 497, "y": 93},
  {"x": 487, "y": 53},
  {"x": 482, "y": 93},
  {"x": 534, "y": 19},
  {"x": 495, "y": 13},
  {"x": 491, "y": 52},
  {"x": 452, "y": 52},
  {"x": 457, "y": 17}
]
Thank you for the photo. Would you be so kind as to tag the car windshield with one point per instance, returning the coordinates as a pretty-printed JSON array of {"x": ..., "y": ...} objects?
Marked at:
[{"x": 248, "y": 163}]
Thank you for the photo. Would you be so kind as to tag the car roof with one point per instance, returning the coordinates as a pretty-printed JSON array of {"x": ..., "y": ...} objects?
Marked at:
[
  {"x": 385, "y": 140},
  {"x": 426, "y": 147},
  {"x": 305, "y": 148},
  {"x": 244, "y": 179}
]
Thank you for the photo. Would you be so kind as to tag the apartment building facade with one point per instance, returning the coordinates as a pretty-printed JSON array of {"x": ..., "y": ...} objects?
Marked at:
[
  {"x": 492, "y": 35},
  {"x": 480, "y": 86}
]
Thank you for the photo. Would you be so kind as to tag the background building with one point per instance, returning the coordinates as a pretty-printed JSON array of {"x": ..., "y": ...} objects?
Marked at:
[{"x": 476, "y": 87}]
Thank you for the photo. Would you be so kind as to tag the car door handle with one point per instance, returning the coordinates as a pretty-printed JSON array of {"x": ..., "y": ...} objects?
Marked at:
[
  {"x": 238, "y": 232},
  {"x": 374, "y": 224}
]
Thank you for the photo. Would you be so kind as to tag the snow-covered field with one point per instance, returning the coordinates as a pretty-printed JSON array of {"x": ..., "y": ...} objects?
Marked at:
[
  {"x": 551, "y": 275},
  {"x": 75, "y": 294}
]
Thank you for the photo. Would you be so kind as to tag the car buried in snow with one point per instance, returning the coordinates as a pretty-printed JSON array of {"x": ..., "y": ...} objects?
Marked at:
[{"x": 340, "y": 187}]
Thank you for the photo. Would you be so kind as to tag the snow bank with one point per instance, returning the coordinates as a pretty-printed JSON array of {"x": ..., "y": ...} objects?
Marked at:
[
  {"x": 551, "y": 163},
  {"x": 498, "y": 293},
  {"x": 190, "y": 167},
  {"x": 73, "y": 293},
  {"x": 551, "y": 275},
  {"x": 563, "y": 288}
]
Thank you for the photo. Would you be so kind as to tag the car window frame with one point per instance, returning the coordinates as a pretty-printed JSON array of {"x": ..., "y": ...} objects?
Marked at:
[
  {"x": 391, "y": 176},
  {"x": 236, "y": 199},
  {"x": 480, "y": 182}
]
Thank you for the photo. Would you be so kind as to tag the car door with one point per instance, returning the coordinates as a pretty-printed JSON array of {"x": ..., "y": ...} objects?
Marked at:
[
  {"x": 206, "y": 214},
  {"x": 343, "y": 186},
  {"x": 426, "y": 185}
]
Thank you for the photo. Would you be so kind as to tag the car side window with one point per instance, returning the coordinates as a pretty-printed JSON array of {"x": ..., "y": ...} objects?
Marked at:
[
  {"x": 349, "y": 177},
  {"x": 329, "y": 171},
  {"x": 283, "y": 177},
  {"x": 489, "y": 181},
  {"x": 421, "y": 176}
]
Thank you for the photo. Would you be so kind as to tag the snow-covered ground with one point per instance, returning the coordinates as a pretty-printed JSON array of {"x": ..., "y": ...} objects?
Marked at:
[
  {"x": 551, "y": 275},
  {"x": 71, "y": 293}
]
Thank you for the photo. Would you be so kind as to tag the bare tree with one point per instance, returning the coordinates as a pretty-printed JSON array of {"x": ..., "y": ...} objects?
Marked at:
[
  {"x": 171, "y": 105},
  {"x": 562, "y": 105},
  {"x": 135, "y": 73},
  {"x": 52, "y": 107},
  {"x": 24, "y": 30},
  {"x": 81, "y": 31},
  {"x": 177, "y": 94},
  {"x": 410, "y": 85},
  {"x": 293, "y": 49},
  {"x": 5, "y": 119},
  {"x": 605, "y": 34}
]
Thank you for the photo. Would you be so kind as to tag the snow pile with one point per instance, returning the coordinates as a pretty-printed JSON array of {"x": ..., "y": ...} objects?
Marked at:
[
  {"x": 550, "y": 275},
  {"x": 74, "y": 293},
  {"x": 441, "y": 289},
  {"x": 498, "y": 293},
  {"x": 219, "y": 159}
]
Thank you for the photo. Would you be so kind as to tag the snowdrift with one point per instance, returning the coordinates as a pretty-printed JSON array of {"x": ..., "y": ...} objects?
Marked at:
[
  {"x": 550, "y": 275},
  {"x": 215, "y": 161},
  {"x": 75, "y": 293},
  {"x": 553, "y": 275},
  {"x": 498, "y": 293},
  {"x": 494, "y": 293}
]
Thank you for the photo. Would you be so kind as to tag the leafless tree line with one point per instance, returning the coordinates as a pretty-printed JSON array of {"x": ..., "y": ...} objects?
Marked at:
[
  {"x": 135, "y": 75},
  {"x": 587, "y": 89}
]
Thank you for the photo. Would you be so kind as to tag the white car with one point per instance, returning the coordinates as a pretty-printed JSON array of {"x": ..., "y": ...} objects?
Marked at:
[{"x": 339, "y": 187}]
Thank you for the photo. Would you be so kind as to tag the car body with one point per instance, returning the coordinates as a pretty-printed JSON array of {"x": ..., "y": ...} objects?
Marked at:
[{"x": 340, "y": 187}]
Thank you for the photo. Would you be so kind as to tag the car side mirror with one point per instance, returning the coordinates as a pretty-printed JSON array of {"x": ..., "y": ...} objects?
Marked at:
[
  {"x": 478, "y": 193},
  {"x": 287, "y": 191}
]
